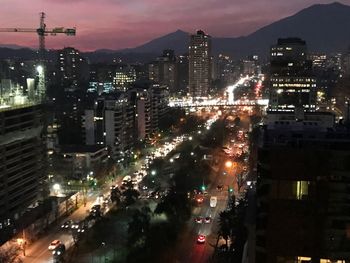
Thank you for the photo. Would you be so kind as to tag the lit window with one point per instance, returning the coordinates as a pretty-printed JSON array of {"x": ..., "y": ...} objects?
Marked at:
[{"x": 301, "y": 189}]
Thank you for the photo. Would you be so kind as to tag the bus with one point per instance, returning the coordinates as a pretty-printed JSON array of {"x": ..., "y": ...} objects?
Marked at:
[{"x": 213, "y": 201}]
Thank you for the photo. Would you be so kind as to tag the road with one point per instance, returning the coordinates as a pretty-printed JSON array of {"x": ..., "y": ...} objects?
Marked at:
[
  {"x": 188, "y": 250},
  {"x": 38, "y": 251}
]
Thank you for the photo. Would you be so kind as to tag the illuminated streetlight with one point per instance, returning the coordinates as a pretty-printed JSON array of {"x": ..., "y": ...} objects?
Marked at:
[
  {"x": 228, "y": 164},
  {"x": 56, "y": 187},
  {"x": 40, "y": 69},
  {"x": 153, "y": 172},
  {"x": 22, "y": 243}
]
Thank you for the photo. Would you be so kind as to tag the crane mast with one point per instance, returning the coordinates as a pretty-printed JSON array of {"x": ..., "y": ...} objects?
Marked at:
[{"x": 42, "y": 32}]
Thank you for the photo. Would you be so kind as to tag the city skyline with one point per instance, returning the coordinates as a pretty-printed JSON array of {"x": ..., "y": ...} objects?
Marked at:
[{"x": 124, "y": 25}]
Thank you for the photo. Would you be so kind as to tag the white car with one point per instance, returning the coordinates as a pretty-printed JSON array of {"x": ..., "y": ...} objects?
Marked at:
[{"x": 54, "y": 244}]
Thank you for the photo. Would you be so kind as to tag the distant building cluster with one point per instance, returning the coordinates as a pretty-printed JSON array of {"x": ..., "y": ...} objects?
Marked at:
[{"x": 68, "y": 119}]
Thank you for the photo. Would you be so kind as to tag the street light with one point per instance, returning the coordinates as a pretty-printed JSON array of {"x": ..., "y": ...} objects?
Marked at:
[
  {"x": 153, "y": 172},
  {"x": 228, "y": 164},
  {"x": 40, "y": 69},
  {"x": 22, "y": 243},
  {"x": 56, "y": 187}
]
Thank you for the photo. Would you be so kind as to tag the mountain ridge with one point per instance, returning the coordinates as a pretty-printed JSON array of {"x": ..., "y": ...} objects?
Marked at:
[{"x": 324, "y": 27}]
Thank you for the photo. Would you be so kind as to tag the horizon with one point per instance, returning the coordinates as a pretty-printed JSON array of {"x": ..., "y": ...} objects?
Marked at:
[{"x": 131, "y": 31}]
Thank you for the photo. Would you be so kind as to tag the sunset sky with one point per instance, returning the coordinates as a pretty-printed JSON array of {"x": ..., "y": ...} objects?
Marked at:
[{"x": 117, "y": 24}]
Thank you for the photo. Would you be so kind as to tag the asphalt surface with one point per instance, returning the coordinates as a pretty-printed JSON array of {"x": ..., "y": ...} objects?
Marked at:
[{"x": 188, "y": 250}]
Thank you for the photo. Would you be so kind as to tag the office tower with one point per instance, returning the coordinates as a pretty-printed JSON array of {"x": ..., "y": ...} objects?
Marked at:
[
  {"x": 199, "y": 64},
  {"x": 291, "y": 82},
  {"x": 125, "y": 76}
]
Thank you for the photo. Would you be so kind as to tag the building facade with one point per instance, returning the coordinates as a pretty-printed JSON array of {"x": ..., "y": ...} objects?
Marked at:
[
  {"x": 291, "y": 81},
  {"x": 72, "y": 68},
  {"x": 199, "y": 64},
  {"x": 22, "y": 163},
  {"x": 110, "y": 123},
  {"x": 302, "y": 190}
]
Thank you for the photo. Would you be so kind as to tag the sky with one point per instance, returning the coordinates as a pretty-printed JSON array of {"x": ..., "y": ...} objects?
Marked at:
[{"x": 117, "y": 24}]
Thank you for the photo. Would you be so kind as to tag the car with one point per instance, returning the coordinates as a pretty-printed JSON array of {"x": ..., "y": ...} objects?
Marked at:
[
  {"x": 59, "y": 251},
  {"x": 200, "y": 200},
  {"x": 201, "y": 239},
  {"x": 96, "y": 207},
  {"x": 74, "y": 225},
  {"x": 207, "y": 220},
  {"x": 220, "y": 187},
  {"x": 66, "y": 224},
  {"x": 54, "y": 244},
  {"x": 81, "y": 228},
  {"x": 199, "y": 219},
  {"x": 95, "y": 210}
]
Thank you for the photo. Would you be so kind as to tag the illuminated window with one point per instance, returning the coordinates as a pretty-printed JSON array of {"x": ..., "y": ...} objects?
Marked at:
[
  {"x": 331, "y": 261},
  {"x": 301, "y": 189},
  {"x": 303, "y": 259}
]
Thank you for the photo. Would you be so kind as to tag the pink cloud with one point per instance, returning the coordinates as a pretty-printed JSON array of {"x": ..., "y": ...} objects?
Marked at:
[{"x": 126, "y": 23}]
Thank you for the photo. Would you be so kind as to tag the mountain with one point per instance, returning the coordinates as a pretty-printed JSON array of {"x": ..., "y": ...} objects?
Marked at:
[
  {"x": 12, "y": 46},
  {"x": 325, "y": 27},
  {"x": 177, "y": 41},
  {"x": 21, "y": 53}
]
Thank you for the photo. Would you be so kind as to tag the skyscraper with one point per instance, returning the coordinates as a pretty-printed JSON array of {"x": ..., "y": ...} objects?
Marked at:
[
  {"x": 292, "y": 84},
  {"x": 73, "y": 68},
  {"x": 199, "y": 64}
]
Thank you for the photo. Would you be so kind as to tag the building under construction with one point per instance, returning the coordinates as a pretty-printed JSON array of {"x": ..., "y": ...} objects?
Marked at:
[{"x": 22, "y": 141}]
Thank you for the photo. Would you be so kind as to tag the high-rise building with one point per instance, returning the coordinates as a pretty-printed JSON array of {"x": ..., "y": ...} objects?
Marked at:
[
  {"x": 140, "y": 100},
  {"x": 159, "y": 105},
  {"x": 124, "y": 77},
  {"x": 164, "y": 70},
  {"x": 22, "y": 159},
  {"x": 302, "y": 190},
  {"x": 182, "y": 74},
  {"x": 72, "y": 68},
  {"x": 110, "y": 123},
  {"x": 199, "y": 64},
  {"x": 291, "y": 81}
]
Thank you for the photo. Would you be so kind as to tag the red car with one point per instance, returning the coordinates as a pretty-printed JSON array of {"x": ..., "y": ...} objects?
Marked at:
[{"x": 201, "y": 239}]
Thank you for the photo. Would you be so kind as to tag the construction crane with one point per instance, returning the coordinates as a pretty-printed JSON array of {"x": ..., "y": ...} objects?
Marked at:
[{"x": 42, "y": 31}]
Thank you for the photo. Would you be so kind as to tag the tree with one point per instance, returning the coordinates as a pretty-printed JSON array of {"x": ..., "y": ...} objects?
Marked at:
[
  {"x": 225, "y": 224},
  {"x": 176, "y": 206},
  {"x": 139, "y": 227},
  {"x": 130, "y": 196},
  {"x": 10, "y": 254}
]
